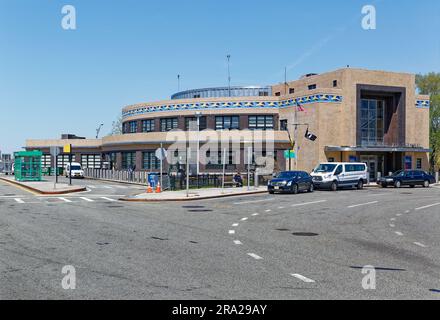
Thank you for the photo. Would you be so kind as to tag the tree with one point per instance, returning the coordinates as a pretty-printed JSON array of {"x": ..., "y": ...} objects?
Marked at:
[
  {"x": 430, "y": 84},
  {"x": 117, "y": 126}
]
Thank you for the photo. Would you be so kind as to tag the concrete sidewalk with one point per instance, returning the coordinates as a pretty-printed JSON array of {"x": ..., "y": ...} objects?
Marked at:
[
  {"x": 194, "y": 194},
  {"x": 44, "y": 187}
]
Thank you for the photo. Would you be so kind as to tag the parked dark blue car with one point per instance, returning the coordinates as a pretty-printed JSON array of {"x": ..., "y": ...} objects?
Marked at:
[
  {"x": 410, "y": 178},
  {"x": 292, "y": 182}
]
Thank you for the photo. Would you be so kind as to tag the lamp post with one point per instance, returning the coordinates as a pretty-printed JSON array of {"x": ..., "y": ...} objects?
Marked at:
[{"x": 198, "y": 115}]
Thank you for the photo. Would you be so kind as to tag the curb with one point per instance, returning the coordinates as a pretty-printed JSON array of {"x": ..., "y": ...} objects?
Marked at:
[
  {"x": 44, "y": 192},
  {"x": 192, "y": 199}
]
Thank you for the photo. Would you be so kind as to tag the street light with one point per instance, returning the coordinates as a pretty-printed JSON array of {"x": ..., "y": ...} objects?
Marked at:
[
  {"x": 198, "y": 115},
  {"x": 99, "y": 130}
]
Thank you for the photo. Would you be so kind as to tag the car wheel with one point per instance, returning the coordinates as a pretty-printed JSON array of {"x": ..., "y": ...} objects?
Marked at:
[
  {"x": 397, "y": 184},
  {"x": 295, "y": 189},
  {"x": 311, "y": 188},
  {"x": 334, "y": 186},
  {"x": 412, "y": 186},
  {"x": 360, "y": 185},
  {"x": 426, "y": 184},
  {"x": 271, "y": 192},
  {"x": 384, "y": 185}
]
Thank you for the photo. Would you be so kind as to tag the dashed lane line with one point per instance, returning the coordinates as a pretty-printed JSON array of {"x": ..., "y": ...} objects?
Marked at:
[
  {"x": 302, "y": 278},
  {"x": 231, "y": 231},
  {"x": 235, "y": 225},
  {"x": 392, "y": 225},
  {"x": 19, "y": 200},
  {"x": 255, "y": 256},
  {"x": 255, "y": 214},
  {"x": 428, "y": 206},
  {"x": 254, "y": 201},
  {"x": 308, "y": 203},
  {"x": 362, "y": 204},
  {"x": 244, "y": 219},
  {"x": 64, "y": 199},
  {"x": 420, "y": 244},
  {"x": 399, "y": 233},
  {"x": 238, "y": 242}
]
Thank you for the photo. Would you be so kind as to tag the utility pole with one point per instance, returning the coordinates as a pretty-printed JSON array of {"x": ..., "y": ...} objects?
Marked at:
[{"x": 229, "y": 75}]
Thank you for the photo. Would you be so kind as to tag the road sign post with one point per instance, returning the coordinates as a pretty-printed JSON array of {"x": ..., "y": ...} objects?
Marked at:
[
  {"x": 55, "y": 151},
  {"x": 68, "y": 149},
  {"x": 161, "y": 155}
]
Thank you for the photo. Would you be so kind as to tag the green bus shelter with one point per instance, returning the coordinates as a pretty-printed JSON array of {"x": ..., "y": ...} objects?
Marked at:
[{"x": 28, "y": 165}]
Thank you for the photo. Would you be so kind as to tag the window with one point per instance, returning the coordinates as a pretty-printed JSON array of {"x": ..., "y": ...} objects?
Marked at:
[
  {"x": 335, "y": 83},
  {"x": 125, "y": 127},
  {"x": 148, "y": 125},
  {"x": 291, "y": 90},
  {"x": 46, "y": 161},
  {"x": 372, "y": 122},
  {"x": 92, "y": 161},
  {"x": 331, "y": 159},
  {"x": 191, "y": 123},
  {"x": 196, "y": 96},
  {"x": 419, "y": 163},
  {"x": 128, "y": 160},
  {"x": 260, "y": 123},
  {"x": 338, "y": 170},
  {"x": 63, "y": 160},
  {"x": 168, "y": 124},
  {"x": 227, "y": 122},
  {"x": 284, "y": 125},
  {"x": 277, "y": 94},
  {"x": 149, "y": 161},
  {"x": 355, "y": 168},
  {"x": 312, "y": 87},
  {"x": 215, "y": 161},
  {"x": 263, "y": 93},
  {"x": 132, "y": 126}
]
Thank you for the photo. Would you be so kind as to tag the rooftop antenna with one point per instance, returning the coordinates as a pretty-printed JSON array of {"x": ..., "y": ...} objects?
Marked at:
[
  {"x": 229, "y": 74},
  {"x": 178, "y": 83}
]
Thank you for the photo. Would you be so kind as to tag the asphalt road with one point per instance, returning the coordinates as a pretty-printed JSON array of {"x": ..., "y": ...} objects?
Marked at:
[{"x": 306, "y": 246}]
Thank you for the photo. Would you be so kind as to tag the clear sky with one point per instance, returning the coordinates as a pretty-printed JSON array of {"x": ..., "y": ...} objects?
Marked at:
[{"x": 54, "y": 81}]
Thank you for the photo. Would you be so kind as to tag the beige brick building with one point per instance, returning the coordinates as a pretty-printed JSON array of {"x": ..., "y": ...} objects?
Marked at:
[{"x": 358, "y": 115}]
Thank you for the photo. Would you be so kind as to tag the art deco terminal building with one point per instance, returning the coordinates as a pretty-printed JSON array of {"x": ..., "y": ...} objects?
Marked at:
[{"x": 358, "y": 115}]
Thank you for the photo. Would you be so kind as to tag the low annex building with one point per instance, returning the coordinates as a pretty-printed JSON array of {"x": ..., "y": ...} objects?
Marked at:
[{"x": 367, "y": 116}]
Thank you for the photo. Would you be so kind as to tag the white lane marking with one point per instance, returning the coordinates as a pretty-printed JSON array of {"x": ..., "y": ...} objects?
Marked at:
[
  {"x": 107, "y": 187},
  {"x": 302, "y": 278},
  {"x": 108, "y": 199},
  {"x": 428, "y": 206},
  {"x": 244, "y": 219},
  {"x": 268, "y": 210},
  {"x": 362, "y": 204},
  {"x": 255, "y": 214},
  {"x": 235, "y": 225},
  {"x": 231, "y": 231},
  {"x": 399, "y": 233},
  {"x": 393, "y": 219},
  {"x": 307, "y": 203},
  {"x": 86, "y": 199},
  {"x": 238, "y": 242},
  {"x": 280, "y": 207},
  {"x": 420, "y": 244},
  {"x": 64, "y": 199},
  {"x": 255, "y": 256},
  {"x": 91, "y": 187},
  {"x": 407, "y": 211},
  {"x": 392, "y": 225},
  {"x": 255, "y": 201},
  {"x": 398, "y": 215},
  {"x": 19, "y": 200}
]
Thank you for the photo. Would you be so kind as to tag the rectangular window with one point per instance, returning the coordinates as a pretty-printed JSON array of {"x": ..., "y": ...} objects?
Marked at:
[
  {"x": 419, "y": 163},
  {"x": 148, "y": 125},
  {"x": 277, "y": 94},
  {"x": 128, "y": 160},
  {"x": 312, "y": 87},
  {"x": 63, "y": 160},
  {"x": 372, "y": 122},
  {"x": 227, "y": 122},
  {"x": 149, "y": 161},
  {"x": 191, "y": 123},
  {"x": 125, "y": 128},
  {"x": 291, "y": 90},
  {"x": 260, "y": 123},
  {"x": 284, "y": 125},
  {"x": 168, "y": 124},
  {"x": 92, "y": 161},
  {"x": 46, "y": 161},
  {"x": 335, "y": 83},
  {"x": 132, "y": 125},
  {"x": 263, "y": 93}
]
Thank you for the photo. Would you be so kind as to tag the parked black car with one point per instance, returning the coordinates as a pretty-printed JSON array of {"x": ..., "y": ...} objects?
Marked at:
[
  {"x": 292, "y": 182},
  {"x": 410, "y": 178}
]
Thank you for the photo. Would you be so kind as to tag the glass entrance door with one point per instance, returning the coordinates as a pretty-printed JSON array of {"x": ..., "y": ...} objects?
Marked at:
[{"x": 372, "y": 164}]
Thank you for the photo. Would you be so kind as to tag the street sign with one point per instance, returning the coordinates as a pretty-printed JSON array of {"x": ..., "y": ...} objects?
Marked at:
[
  {"x": 55, "y": 151},
  {"x": 290, "y": 154},
  {"x": 67, "y": 148},
  {"x": 161, "y": 154}
]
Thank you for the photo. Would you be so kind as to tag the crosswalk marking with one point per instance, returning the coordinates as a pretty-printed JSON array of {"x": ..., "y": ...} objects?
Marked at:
[
  {"x": 108, "y": 199},
  {"x": 87, "y": 199},
  {"x": 64, "y": 199},
  {"x": 19, "y": 200}
]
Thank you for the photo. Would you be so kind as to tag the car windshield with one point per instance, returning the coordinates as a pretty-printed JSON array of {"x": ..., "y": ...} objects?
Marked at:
[
  {"x": 287, "y": 175},
  {"x": 76, "y": 168},
  {"x": 398, "y": 173},
  {"x": 325, "y": 168}
]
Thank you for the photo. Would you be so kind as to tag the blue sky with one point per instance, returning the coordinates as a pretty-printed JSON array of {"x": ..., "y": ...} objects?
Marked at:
[{"x": 54, "y": 81}]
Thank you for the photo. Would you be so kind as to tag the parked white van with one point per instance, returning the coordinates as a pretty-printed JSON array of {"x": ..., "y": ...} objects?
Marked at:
[
  {"x": 334, "y": 175},
  {"x": 77, "y": 171}
]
